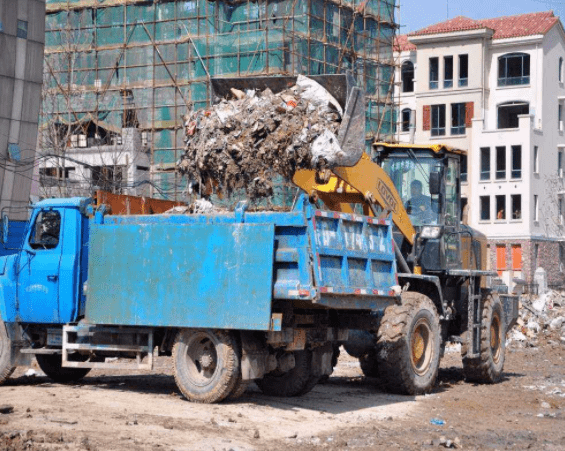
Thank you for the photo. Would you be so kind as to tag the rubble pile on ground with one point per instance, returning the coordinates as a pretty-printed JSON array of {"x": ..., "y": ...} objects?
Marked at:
[
  {"x": 244, "y": 142},
  {"x": 542, "y": 318}
]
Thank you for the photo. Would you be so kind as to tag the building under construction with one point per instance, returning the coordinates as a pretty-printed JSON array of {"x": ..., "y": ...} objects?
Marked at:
[{"x": 115, "y": 64}]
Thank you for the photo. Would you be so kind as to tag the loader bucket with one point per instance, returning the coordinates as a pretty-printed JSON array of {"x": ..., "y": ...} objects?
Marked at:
[{"x": 351, "y": 135}]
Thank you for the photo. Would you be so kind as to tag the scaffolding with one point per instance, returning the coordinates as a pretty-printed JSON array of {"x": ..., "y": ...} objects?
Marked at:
[{"x": 163, "y": 54}]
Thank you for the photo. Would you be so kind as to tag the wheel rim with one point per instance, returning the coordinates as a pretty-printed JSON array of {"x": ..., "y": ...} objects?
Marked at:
[
  {"x": 421, "y": 347},
  {"x": 201, "y": 359},
  {"x": 495, "y": 337}
]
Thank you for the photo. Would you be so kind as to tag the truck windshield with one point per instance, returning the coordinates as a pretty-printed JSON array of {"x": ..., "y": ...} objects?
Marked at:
[{"x": 411, "y": 177}]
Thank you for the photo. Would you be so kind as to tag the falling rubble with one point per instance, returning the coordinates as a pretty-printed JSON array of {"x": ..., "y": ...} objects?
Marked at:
[{"x": 246, "y": 141}]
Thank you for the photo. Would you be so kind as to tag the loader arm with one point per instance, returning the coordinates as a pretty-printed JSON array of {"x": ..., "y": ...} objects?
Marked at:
[{"x": 366, "y": 183}]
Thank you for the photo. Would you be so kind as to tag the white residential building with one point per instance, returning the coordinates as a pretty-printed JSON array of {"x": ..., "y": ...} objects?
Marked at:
[{"x": 495, "y": 88}]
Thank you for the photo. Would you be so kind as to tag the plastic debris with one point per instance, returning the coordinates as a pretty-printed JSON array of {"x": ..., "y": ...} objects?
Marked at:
[
  {"x": 241, "y": 144},
  {"x": 437, "y": 421}
]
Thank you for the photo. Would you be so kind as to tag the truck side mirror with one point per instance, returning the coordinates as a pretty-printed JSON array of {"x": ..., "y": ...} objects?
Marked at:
[
  {"x": 435, "y": 183},
  {"x": 5, "y": 225}
]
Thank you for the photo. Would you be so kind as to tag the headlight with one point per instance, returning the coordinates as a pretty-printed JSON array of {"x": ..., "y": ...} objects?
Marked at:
[{"x": 430, "y": 232}]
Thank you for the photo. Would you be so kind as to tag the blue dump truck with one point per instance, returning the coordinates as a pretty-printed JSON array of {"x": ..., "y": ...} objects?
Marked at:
[{"x": 233, "y": 297}]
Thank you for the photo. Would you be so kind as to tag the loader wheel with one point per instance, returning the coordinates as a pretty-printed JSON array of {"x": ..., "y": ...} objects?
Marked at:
[
  {"x": 6, "y": 368},
  {"x": 296, "y": 382},
  {"x": 408, "y": 345},
  {"x": 206, "y": 364},
  {"x": 369, "y": 365},
  {"x": 487, "y": 368},
  {"x": 51, "y": 365}
]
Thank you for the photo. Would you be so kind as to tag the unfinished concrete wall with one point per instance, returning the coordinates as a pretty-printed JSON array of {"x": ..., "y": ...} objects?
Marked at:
[{"x": 22, "y": 37}]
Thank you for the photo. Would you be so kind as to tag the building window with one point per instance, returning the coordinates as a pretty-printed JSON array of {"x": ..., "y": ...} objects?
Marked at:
[
  {"x": 536, "y": 208},
  {"x": 485, "y": 163},
  {"x": 514, "y": 69},
  {"x": 516, "y": 200},
  {"x": 457, "y": 118},
  {"x": 463, "y": 168},
  {"x": 463, "y": 70},
  {"x": 448, "y": 72},
  {"x": 516, "y": 162},
  {"x": 536, "y": 254},
  {"x": 501, "y": 207},
  {"x": 22, "y": 29},
  {"x": 438, "y": 120},
  {"x": 560, "y": 70},
  {"x": 560, "y": 117},
  {"x": 434, "y": 73},
  {"x": 560, "y": 210},
  {"x": 536, "y": 159},
  {"x": 407, "y": 76},
  {"x": 485, "y": 208},
  {"x": 405, "y": 125},
  {"x": 560, "y": 163},
  {"x": 508, "y": 114},
  {"x": 500, "y": 163},
  {"x": 516, "y": 250}
]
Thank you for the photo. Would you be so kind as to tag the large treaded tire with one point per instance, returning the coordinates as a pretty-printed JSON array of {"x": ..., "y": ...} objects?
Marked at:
[
  {"x": 487, "y": 368},
  {"x": 408, "y": 345},
  {"x": 206, "y": 364},
  {"x": 335, "y": 357},
  {"x": 51, "y": 364},
  {"x": 238, "y": 389},
  {"x": 296, "y": 382},
  {"x": 6, "y": 368}
]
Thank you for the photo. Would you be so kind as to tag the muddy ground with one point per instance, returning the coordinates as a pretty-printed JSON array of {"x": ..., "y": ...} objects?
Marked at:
[{"x": 144, "y": 411}]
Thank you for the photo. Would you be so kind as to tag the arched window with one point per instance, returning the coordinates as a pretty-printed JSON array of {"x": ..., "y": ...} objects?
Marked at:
[
  {"x": 405, "y": 115},
  {"x": 407, "y": 76},
  {"x": 508, "y": 114},
  {"x": 514, "y": 69}
]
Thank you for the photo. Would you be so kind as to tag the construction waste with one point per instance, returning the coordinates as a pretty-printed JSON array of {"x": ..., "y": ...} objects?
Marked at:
[
  {"x": 541, "y": 320},
  {"x": 244, "y": 142}
]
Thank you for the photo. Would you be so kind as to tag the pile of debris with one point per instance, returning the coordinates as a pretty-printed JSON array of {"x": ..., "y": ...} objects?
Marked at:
[
  {"x": 542, "y": 318},
  {"x": 244, "y": 142}
]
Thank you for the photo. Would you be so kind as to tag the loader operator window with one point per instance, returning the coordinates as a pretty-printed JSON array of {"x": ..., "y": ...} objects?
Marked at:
[
  {"x": 411, "y": 177},
  {"x": 45, "y": 232}
]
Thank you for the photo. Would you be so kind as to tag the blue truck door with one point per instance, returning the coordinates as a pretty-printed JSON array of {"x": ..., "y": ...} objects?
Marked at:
[{"x": 38, "y": 269}]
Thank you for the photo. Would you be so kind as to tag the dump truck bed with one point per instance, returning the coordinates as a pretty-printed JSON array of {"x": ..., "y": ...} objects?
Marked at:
[{"x": 225, "y": 270}]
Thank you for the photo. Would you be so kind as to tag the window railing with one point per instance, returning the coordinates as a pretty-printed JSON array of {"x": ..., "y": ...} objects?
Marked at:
[
  {"x": 463, "y": 82},
  {"x": 500, "y": 174},
  {"x": 458, "y": 130},
  {"x": 516, "y": 173},
  {"x": 513, "y": 81},
  {"x": 434, "y": 84},
  {"x": 447, "y": 84},
  {"x": 485, "y": 175}
]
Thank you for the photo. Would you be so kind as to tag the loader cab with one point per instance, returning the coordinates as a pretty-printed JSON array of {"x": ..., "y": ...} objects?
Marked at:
[{"x": 427, "y": 180}]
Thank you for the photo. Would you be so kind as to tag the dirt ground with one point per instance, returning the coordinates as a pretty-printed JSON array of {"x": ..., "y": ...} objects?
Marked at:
[{"x": 145, "y": 411}]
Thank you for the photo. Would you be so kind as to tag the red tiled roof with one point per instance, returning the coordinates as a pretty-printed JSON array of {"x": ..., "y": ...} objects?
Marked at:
[
  {"x": 401, "y": 44},
  {"x": 504, "y": 27}
]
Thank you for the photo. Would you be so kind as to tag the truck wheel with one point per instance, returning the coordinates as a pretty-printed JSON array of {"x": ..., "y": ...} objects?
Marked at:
[
  {"x": 487, "y": 368},
  {"x": 238, "y": 389},
  {"x": 6, "y": 368},
  {"x": 408, "y": 345},
  {"x": 369, "y": 365},
  {"x": 51, "y": 364},
  {"x": 206, "y": 364},
  {"x": 296, "y": 382}
]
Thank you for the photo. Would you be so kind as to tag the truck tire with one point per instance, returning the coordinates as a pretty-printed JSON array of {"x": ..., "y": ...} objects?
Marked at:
[
  {"x": 206, "y": 364},
  {"x": 6, "y": 367},
  {"x": 238, "y": 389},
  {"x": 51, "y": 365},
  {"x": 408, "y": 345},
  {"x": 369, "y": 365},
  {"x": 487, "y": 368},
  {"x": 296, "y": 382},
  {"x": 335, "y": 357}
]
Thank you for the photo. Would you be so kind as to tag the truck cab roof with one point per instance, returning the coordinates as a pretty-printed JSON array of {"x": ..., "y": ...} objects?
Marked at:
[{"x": 76, "y": 202}]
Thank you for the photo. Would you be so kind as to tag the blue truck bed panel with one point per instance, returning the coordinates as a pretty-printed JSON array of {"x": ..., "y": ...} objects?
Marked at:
[{"x": 181, "y": 275}]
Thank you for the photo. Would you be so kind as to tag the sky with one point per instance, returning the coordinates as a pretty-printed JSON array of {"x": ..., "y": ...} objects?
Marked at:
[{"x": 417, "y": 14}]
